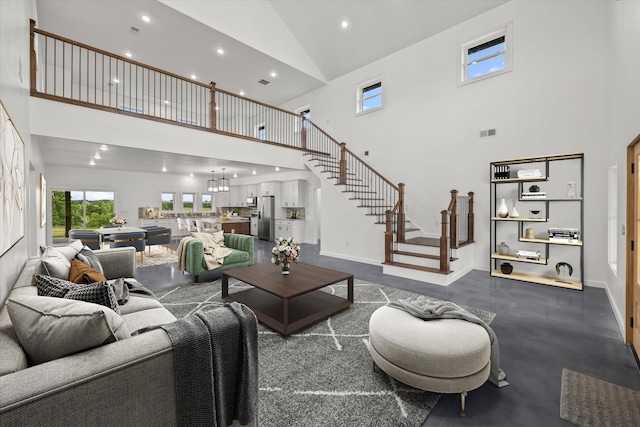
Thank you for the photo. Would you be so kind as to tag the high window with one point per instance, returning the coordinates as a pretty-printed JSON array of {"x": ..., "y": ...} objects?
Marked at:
[
  {"x": 486, "y": 56},
  {"x": 369, "y": 96},
  {"x": 261, "y": 132},
  {"x": 72, "y": 210},
  {"x": 306, "y": 113}
]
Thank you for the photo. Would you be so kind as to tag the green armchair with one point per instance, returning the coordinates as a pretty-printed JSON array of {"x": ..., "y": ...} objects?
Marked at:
[{"x": 241, "y": 246}]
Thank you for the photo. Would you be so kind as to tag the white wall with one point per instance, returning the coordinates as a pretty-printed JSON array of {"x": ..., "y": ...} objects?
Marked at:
[
  {"x": 14, "y": 94},
  {"x": 623, "y": 87},
  {"x": 427, "y": 135}
]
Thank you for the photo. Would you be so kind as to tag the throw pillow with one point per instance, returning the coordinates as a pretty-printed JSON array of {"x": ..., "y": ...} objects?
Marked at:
[
  {"x": 55, "y": 263},
  {"x": 218, "y": 238},
  {"x": 49, "y": 328},
  {"x": 49, "y": 286},
  {"x": 98, "y": 293},
  {"x": 82, "y": 273},
  {"x": 87, "y": 256}
]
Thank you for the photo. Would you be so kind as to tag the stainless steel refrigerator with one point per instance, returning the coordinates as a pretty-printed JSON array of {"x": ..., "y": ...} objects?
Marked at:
[{"x": 266, "y": 219}]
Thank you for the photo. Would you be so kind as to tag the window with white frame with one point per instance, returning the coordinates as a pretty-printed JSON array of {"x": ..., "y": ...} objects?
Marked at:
[
  {"x": 187, "y": 202},
  {"x": 168, "y": 200},
  {"x": 304, "y": 112},
  {"x": 369, "y": 96},
  {"x": 207, "y": 202},
  {"x": 261, "y": 132},
  {"x": 487, "y": 56},
  {"x": 613, "y": 217}
]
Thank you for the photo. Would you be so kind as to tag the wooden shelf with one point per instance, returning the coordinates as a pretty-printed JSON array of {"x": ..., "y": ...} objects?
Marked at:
[
  {"x": 529, "y": 179},
  {"x": 516, "y": 259},
  {"x": 543, "y": 280},
  {"x": 520, "y": 218},
  {"x": 546, "y": 241}
]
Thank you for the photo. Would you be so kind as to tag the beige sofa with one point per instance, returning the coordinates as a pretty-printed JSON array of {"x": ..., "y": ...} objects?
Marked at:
[{"x": 129, "y": 382}]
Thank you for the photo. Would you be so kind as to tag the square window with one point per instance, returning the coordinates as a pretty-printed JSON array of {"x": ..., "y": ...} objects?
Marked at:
[
  {"x": 486, "y": 56},
  {"x": 369, "y": 96}
]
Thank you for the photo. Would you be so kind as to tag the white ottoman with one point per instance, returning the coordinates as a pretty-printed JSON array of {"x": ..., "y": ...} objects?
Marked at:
[{"x": 441, "y": 355}]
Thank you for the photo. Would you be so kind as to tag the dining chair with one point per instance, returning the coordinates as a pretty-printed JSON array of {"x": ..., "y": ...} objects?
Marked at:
[{"x": 136, "y": 239}]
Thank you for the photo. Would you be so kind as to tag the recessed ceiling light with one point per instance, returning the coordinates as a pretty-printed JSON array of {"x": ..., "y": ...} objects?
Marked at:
[
  {"x": 344, "y": 24},
  {"x": 104, "y": 147},
  {"x": 97, "y": 156},
  {"x": 235, "y": 174},
  {"x": 166, "y": 101},
  {"x": 191, "y": 175},
  {"x": 128, "y": 54},
  {"x": 254, "y": 172},
  {"x": 92, "y": 162},
  {"x": 145, "y": 18},
  {"x": 273, "y": 74},
  {"x": 193, "y": 76},
  {"x": 241, "y": 93},
  {"x": 220, "y": 51},
  {"x": 115, "y": 80},
  {"x": 277, "y": 168},
  {"x": 164, "y": 169}
]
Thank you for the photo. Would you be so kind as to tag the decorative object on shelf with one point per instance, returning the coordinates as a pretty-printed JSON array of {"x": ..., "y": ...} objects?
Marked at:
[
  {"x": 503, "y": 248},
  {"x": 534, "y": 189},
  {"x": 571, "y": 190},
  {"x": 560, "y": 269},
  {"x": 535, "y": 214},
  {"x": 529, "y": 173},
  {"x": 525, "y": 254},
  {"x": 514, "y": 212},
  {"x": 530, "y": 233},
  {"x": 503, "y": 210},
  {"x": 285, "y": 252},
  {"x": 506, "y": 268},
  {"x": 118, "y": 221}
]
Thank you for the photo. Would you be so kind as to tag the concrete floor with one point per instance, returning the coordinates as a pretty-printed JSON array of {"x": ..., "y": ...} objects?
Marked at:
[{"x": 541, "y": 330}]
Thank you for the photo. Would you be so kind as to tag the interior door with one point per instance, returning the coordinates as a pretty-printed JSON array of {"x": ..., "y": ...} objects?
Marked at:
[{"x": 633, "y": 273}]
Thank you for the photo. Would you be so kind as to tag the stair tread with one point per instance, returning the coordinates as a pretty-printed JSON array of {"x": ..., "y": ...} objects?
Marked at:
[
  {"x": 416, "y": 255},
  {"x": 424, "y": 241},
  {"x": 416, "y": 267}
]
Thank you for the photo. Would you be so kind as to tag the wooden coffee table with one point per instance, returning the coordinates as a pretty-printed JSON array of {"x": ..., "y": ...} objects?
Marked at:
[{"x": 288, "y": 303}]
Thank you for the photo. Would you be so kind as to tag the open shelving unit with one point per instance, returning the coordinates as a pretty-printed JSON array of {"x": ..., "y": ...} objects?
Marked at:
[{"x": 555, "y": 173}]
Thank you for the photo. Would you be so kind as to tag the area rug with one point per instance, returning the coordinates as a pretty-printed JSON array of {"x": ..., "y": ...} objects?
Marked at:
[
  {"x": 322, "y": 375},
  {"x": 159, "y": 255},
  {"x": 586, "y": 401}
]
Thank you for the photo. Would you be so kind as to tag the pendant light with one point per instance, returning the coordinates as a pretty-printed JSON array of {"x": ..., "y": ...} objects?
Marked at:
[
  {"x": 212, "y": 184},
  {"x": 223, "y": 183}
]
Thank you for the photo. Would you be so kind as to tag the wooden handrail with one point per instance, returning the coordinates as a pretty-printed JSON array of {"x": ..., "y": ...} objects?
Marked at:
[{"x": 394, "y": 186}]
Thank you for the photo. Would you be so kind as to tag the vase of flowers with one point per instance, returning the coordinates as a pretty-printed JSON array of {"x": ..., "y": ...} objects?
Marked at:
[
  {"x": 285, "y": 252},
  {"x": 118, "y": 221}
]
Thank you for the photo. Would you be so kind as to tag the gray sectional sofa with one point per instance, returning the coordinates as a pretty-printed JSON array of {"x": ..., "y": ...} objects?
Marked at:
[{"x": 127, "y": 382}]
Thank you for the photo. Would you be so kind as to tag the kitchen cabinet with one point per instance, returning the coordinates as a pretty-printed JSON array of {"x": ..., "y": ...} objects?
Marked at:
[
  {"x": 252, "y": 190},
  {"x": 290, "y": 228},
  {"x": 548, "y": 190},
  {"x": 237, "y": 227},
  {"x": 270, "y": 188},
  {"x": 238, "y": 196},
  {"x": 223, "y": 200},
  {"x": 292, "y": 194}
]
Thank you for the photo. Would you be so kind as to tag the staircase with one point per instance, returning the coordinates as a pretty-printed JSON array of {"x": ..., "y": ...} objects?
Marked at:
[{"x": 412, "y": 253}]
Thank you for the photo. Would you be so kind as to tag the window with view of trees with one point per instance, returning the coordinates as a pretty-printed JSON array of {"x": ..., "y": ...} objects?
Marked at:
[
  {"x": 167, "y": 201},
  {"x": 187, "y": 202},
  {"x": 72, "y": 210},
  {"x": 207, "y": 202}
]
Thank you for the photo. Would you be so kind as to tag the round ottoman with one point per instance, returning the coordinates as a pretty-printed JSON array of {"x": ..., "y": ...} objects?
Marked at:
[{"x": 440, "y": 355}]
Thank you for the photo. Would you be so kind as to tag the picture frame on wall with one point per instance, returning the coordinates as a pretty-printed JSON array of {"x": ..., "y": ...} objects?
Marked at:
[
  {"x": 43, "y": 201},
  {"x": 12, "y": 183}
]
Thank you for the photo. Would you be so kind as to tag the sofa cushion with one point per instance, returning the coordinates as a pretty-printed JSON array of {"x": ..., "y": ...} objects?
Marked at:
[
  {"x": 49, "y": 328},
  {"x": 87, "y": 256},
  {"x": 83, "y": 273},
  {"x": 49, "y": 286},
  {"x": 236, "y": 256},
  {"x": 55, "y": 263}
]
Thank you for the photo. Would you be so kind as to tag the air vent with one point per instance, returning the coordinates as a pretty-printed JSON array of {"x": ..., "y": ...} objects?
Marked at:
[
  {"x": 264, "y": 82},
  {"x": 487, "y": 132},
  {"x": 134, "y": 30}
]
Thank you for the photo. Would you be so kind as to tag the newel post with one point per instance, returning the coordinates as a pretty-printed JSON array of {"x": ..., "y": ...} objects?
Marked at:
[
  {"x": 388, "y": 237},
  {"x": 453, "y": 233},
  {"x": 470, "y": 218},
  {"x": 32, "y": 49},
  {"x": 444, "y": 247},
  {"x": 401, "y": 215},
  {"x": 212, "y": 106},
  {"x": 303, "y": 132},
  {"x": 343, "y": 164}
]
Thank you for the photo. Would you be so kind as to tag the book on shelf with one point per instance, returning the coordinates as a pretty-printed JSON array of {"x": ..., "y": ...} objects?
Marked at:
[{"x": 526, "y": 195}]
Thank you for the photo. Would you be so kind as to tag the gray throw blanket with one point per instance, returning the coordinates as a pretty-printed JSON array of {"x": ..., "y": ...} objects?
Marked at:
[
  {"x": 426, "y": 309},
  {"x": 216, "y": 366}
]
